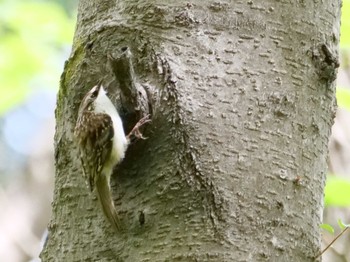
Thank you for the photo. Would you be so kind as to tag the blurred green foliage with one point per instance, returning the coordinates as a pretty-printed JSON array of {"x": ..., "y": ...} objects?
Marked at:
[
  {"x": 337, "y": 191},
  {"x": 345, "y": 25},
  {"x": 343, "y": 94},
  {"x": 35, "y": 36},
  {"x": 343, "y": 97}
]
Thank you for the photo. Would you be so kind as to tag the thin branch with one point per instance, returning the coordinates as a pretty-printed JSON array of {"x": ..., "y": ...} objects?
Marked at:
[{"x": 325, "y": 249}]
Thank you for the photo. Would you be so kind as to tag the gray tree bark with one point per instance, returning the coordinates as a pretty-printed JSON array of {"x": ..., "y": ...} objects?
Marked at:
[{"x": 242, "y": 98}]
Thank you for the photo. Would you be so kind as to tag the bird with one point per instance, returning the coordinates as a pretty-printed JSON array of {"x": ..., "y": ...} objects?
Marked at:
[{"x": 102, "y": 144}]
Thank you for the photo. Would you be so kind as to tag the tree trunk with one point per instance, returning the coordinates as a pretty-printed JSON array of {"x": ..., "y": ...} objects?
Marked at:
[{"x": 242, "y": 99}]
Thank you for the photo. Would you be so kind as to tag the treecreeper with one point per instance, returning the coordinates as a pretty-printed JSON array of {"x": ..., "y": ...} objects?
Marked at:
[{"x": 102, "y": 144}]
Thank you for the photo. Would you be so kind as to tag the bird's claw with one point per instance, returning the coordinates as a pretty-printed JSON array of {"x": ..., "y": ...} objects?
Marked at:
[{"x": 136, "y": 129}]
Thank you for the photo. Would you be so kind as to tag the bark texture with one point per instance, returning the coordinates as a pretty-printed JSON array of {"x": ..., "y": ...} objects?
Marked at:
[{"x": 242, "y": 99}]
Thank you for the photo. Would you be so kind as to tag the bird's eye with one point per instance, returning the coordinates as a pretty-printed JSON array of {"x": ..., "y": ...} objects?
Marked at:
[{"x": 94, "y": 94}]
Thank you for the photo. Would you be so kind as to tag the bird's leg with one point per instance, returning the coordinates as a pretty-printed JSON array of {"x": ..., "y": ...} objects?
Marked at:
[{"x": 136, "y": 131}]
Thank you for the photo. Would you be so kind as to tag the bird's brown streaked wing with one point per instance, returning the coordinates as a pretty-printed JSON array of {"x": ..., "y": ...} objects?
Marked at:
[{"x": 95, "y": 138}]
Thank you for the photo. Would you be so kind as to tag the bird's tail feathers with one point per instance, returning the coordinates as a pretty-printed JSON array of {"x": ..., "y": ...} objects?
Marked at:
[{"x": 105, "y": 198}]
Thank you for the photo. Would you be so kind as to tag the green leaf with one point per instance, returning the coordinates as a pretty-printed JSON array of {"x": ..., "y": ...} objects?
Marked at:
[
  {"x": 343, "y": 97},
  {"x": 327, "y": 227},
  {"x": 337, "y": 191},
  {"x": 342, "y": 225}
]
